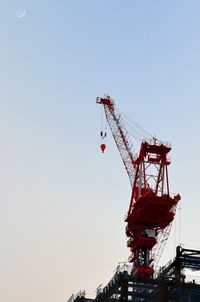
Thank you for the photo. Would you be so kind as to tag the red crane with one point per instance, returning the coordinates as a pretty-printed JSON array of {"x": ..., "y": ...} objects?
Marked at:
[{"x": 152, "y": 207}]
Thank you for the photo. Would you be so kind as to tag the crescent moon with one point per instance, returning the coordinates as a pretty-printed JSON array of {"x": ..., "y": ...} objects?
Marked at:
[{"x": 21, "y": 13}]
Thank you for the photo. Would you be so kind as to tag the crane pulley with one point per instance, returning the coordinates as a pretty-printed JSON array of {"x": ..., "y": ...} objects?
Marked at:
[{"x": 152, "y": 208}]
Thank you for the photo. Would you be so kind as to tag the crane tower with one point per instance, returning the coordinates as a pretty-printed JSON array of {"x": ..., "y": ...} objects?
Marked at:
[{"x": 152, "y": 207}]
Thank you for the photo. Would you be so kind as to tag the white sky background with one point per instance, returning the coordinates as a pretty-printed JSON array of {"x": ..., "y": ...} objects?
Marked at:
[{"x": 62, "y": 203}]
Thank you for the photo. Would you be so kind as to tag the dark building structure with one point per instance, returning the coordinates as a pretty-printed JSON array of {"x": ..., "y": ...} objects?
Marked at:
[{"x": 169, "y": 284}]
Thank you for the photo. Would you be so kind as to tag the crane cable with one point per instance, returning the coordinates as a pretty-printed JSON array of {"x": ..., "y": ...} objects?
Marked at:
[
  {"x": 133, "y": 132},
  {"x": 103, "y": 132},
  {"x": 140, "y": 129},
  {"x": 134, "y": 129}
]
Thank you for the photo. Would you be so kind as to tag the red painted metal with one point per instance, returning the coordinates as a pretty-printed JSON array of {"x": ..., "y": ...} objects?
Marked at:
[
  {"x": 103, "y": 147},
  {"x": 152, "y": 208}
]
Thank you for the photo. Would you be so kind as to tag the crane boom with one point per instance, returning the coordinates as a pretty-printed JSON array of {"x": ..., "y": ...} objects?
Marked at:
[{"x": 120, "y": 136}]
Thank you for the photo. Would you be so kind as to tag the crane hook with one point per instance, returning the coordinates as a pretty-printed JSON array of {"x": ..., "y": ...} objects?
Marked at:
[{"x": 103, "y": 147}]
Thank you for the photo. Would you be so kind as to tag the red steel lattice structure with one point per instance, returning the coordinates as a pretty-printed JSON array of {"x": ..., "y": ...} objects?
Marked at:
[{"x": 152, "y": 208}]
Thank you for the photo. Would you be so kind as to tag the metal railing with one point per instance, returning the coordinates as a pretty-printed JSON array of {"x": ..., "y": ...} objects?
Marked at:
[{"x": 157, "y": 142}]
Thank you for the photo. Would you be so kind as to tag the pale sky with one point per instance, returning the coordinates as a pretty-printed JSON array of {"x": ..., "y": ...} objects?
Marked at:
[{"x": 62, "y": 203}]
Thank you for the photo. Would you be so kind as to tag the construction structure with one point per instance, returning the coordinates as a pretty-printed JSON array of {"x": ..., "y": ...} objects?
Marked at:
[
  {"x": 170, "y": 284},
  {"x": 148, "y": 223}
]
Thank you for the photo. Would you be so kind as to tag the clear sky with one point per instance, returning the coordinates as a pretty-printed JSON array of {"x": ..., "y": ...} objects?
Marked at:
[{"x": 62, "y": 203}]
